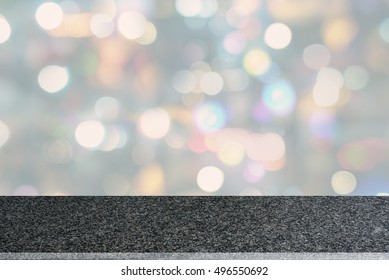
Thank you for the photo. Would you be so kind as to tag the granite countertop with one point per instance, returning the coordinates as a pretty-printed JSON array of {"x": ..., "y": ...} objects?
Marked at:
[{"x": 194, "y": 224}]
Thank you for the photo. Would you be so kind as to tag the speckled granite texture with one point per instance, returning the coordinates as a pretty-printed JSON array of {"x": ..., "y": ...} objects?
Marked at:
[
  {"x": 194, "y": 256},
  {"x": 194, "y": 224}
]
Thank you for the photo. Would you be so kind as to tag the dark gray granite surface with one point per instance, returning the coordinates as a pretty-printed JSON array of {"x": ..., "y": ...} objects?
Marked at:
[
  {"x": 194, "y": 224},
  {"x": 194, "y": 256}
]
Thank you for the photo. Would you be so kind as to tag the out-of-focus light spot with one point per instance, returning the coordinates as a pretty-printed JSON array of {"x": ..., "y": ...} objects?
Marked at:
[
  {"x": 210, "y": 117},
  {"x": 235, "y": 79},
  {"x": 175, "y": 141},
  {"x": 231, "y": 153},
  {"x": 295, "y": 11},
  {"x": 384, "y": 30},
  {"x": 338, "y": 33},
  {"x": 4, "y": 133},
  {"x": 252, "y": 29},
  {"x": 132, "y": 25},
  {"x": 327, "y": 89},
  {"x": 278, "y": 36},
  {"x": 356, "y": 77},
  {"x": 209, "y": 8},
  {"x": 238, "y": 16},
  {"x": 201, "y": 8},
  {"x": 322, "y": 125},
  {"x": 189, "y": 8},
  {"x": 253, "y": 172},
  {"x": 115, "y": 138},
  {"x": 115, "y": 184},
  {"x": 343, "y": 182},
  {"x": 198, "y": 76},
  {"x": 90, "y": 134},
  {"x": 325, "y": 96},
  {"x": 316, "y": 56},
  {"x": 200, "y": 67},
  {"x": 197, "y": 144},
  {"x": 265, "y": 147},
  {"x": 192, "y": 100},
  {"x": 73, "y": 26},
  {"x": 210, "y": 178},
  {"x": 250, "y": 192},
  {"x": 211, "y": 83},
  {"x": 154, "y": 123},
  {"x": 330, "y": 76},
  {"x": 234, "y": 43},
  {"x": 196, "y": 50},
  {"x": 247, "y": 6},
  {"x": 58, "y": 151},
  {"x": 107, "y": 108},
  {"x": 184, "y": 81},
  {"x": 25, "y": 190},
  {"x": 5, "y": 30},
  {"x": 215, "y": 141},
  {"x": 149, "y": 36},
  {"x": 363, "y": 155},
  {"x": 49, "y": 15},
  {"x": 256, "y": 62},
  {"x": 279, "y": 97},
  {"x": 151, "y": 180},
  {"x": 261, "y": 113},
  {"x": 53, "y": 78},
  {"x": 355, "y": 156},
  {"x": 143, "y": 154},
  {"x": 102, "y": 25},
  {"x": 274, "y": 165}
]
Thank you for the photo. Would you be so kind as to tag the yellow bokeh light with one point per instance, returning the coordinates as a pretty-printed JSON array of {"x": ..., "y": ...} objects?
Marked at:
[
  {"x": 73, "y": 26},
  {"x": 151, "y": 180},
  {"x": 343, "y": 182},
  {"x": 231, "y": 153},
  {"x": 338, "y": 33},
  {"x": 149, "y": 36},
  {"x": 256, "y": 62}
]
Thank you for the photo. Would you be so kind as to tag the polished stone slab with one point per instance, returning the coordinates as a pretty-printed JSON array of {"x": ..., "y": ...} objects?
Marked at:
[
  {"x": 194, "y": 224},
  {"x": 194, "y": 256}
]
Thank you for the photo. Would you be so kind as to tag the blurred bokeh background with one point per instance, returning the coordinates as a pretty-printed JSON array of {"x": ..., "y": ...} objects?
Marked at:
[{"x": 200, "y": 97}]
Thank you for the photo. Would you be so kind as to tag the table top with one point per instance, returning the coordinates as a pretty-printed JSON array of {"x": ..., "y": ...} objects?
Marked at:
[{"x": 194, "y": 224}]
